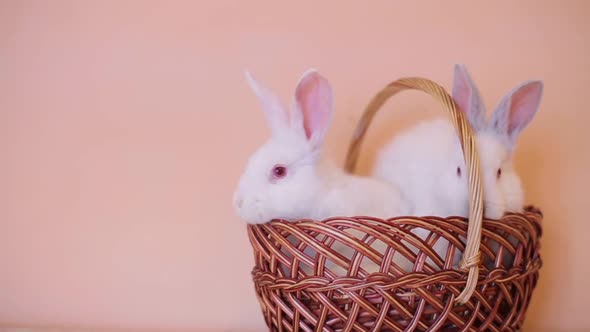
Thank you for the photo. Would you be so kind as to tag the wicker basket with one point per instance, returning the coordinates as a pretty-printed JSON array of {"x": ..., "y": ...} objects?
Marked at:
[{"x": 299, "y": 291}]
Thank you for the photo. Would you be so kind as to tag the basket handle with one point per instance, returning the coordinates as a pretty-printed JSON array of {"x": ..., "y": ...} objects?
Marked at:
[{"x": 471, "y": 256}]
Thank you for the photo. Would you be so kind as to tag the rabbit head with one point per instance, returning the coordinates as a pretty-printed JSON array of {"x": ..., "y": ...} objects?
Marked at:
[
  {"x": 496, "y": 141},
  {"x": 281, "y": 179}
]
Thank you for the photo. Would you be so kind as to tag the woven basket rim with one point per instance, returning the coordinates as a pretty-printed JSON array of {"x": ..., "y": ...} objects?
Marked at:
[{"x": 528, "y": 210}]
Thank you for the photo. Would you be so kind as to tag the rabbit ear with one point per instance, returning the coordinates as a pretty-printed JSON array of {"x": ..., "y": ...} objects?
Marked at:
[
  {"x": 516, "y": 110},
  {"x": 276, "y": 114},
  {"x": 467, "y": 97},
  {"x": 313, "y": 106}
]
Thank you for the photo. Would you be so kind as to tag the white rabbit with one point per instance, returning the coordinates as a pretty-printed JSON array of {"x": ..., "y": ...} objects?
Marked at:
[
  {"x": 426, "y": 162},
  {"x": 289, "y": 178}
]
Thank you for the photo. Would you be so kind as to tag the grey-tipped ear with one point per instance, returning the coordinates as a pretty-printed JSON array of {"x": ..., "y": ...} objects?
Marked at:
[
  {"x": 516, "y": 110},
  {"x": 277, "y": 115},
  {"x": 468, "y": 98}
]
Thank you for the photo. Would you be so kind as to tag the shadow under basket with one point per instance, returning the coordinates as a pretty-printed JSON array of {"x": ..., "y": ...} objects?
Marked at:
[{"x": 391, "y": 279}]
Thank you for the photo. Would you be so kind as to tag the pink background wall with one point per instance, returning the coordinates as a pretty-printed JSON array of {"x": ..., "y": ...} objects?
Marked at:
[{"x": 125, "y": 124}]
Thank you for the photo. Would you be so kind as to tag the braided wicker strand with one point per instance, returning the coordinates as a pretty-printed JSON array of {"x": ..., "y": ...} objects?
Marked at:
[{"x": 471, "y": 256}]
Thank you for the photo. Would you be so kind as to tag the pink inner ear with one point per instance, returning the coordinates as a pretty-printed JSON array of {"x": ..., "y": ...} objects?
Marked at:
[
  {"x": 462, "y": 93},
  {"x": 314, "y": 98},
  {"x": 523, "y": 105}
]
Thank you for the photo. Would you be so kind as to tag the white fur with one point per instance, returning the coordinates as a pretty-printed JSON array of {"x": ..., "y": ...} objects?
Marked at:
[
  {"x": 423, "y": 163},
  {"x": 314, "y": 188},
  {"x": 423, "y": 160}
]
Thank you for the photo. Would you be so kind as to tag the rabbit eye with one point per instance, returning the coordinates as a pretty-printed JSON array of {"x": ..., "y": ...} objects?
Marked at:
[
  {"x": 499, "y": 173},
  {"x": 459, "y": 171},
  {"x": 279, "y": 172}
]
